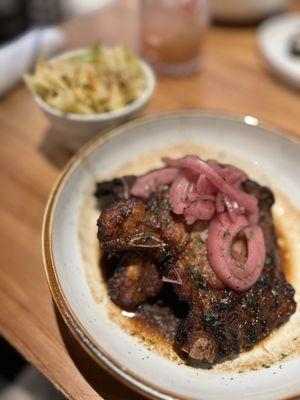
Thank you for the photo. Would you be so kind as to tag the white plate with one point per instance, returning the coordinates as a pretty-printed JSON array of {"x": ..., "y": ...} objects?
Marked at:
[
  {"x": 274, "y": 39},
  {"x": 69, "y": 255}
]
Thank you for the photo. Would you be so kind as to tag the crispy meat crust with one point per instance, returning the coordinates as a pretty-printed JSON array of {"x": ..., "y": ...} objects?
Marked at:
[{"x": 221, "y": 322}]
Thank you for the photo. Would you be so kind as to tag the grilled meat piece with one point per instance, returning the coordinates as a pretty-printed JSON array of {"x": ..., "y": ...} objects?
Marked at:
[
  {"x": 116, "y": 189},
  {"x": 138, "y": 226},
  {"x": 135, "y": 280},
  {"x": 192, "y": 264},
  {"x": 221, "y": 322},
  {"x": 265, "y": 201},
  {"x": 119, "y": 188},
  {"x": 229, "y": 323}
]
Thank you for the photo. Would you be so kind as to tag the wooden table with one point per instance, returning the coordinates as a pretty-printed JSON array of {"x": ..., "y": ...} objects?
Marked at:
[{"x": 233, "y": 78}]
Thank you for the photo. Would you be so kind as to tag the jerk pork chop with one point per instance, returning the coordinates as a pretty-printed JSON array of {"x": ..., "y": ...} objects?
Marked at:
[
  {"x": 158, "y": 246},
  {"x": 135, "y": 280}
]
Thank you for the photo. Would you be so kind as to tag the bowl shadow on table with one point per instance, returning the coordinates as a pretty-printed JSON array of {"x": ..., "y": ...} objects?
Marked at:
[
  {"x": 55, "y": 148},
  {"x": 100, "y": 380}
]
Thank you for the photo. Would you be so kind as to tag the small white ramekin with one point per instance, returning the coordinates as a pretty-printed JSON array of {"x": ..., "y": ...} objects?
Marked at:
[{"x": 76, "y": 129}]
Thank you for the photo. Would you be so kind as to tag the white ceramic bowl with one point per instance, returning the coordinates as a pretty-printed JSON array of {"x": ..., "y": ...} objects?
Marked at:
[
  {"x": 76, "y": 129},
  {"x": 274, "y": 40},
  {"x": 71, "y": 253},
  {"x": 244, "y": 10}
]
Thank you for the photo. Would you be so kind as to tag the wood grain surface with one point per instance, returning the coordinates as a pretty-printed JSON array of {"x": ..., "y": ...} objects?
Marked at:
[{"x": 233, "y": 78}]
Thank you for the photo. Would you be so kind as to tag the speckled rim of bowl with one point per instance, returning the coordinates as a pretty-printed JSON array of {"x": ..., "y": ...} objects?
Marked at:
[
  {"x": 98, "y": 354},
  {"x": 106, "y": 116}
]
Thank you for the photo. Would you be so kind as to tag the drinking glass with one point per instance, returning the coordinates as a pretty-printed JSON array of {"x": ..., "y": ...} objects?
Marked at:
[{"x": 172, "y": 34}]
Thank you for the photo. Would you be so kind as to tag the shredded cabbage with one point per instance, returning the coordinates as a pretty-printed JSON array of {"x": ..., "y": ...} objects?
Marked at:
[{"x": 99, "y": 81}]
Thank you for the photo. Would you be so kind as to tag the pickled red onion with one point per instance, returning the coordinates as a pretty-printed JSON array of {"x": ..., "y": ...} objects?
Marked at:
[
  {"x": 208, "y": 191},
  {"x": 253, "y": 217},
  {"x": 185, "y": 200},
  {"x": 199, "y": 210},
  {"x": 180, "y": 191},
  {"x": 221, "y": 235},
  {"x": 149, "y": 182},
  {"x": 232, "y": 175},
  {"x": 220, "y": 203},
  {"x": 192, "y": 162},
  {"x": 205, "y": 186}
]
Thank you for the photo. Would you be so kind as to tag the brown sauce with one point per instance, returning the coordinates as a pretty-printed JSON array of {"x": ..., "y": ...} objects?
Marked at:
[
  {"x": 159, "y": 319},
  {"x": 156, "y": 320}
]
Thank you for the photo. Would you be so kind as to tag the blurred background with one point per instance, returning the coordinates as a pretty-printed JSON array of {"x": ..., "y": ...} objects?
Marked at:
[
  {"x": 170, "y": 41},
  {"x": 18, "y": 16},
  {"x": 169, "y": 35}
]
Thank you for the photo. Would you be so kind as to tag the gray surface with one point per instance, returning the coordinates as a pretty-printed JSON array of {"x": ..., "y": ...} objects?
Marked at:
[{"x": 30, "y": 385}]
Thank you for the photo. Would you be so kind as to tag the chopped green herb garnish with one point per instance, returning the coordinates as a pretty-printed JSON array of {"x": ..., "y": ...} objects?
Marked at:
[
  {"x": 200, "y": 242},
  {"x": 216, "y": 323},
  {"x": 241, "y": 265},
  {"x": 250, "y": 235},
  {"x": 148, "y": 222},
  {"x": 155, "y": 211},
  {"x": 165, "y": 205},
  {"x": 148, "y": 235},
  {"x": 227, "y": 329},
  {"x": 266, "y": 366},
  {"x": 211, "y": 319},
  {"x": 190, "y": 266},
  {"x": 226, "y": 233},
  {"x": 207, "y": 315},
  {"x": 268, "y": 260},
  {"x": 283, "y": 356},
  {"x": 166, "y": 222},
  {"x": 195, "y": 275}
]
